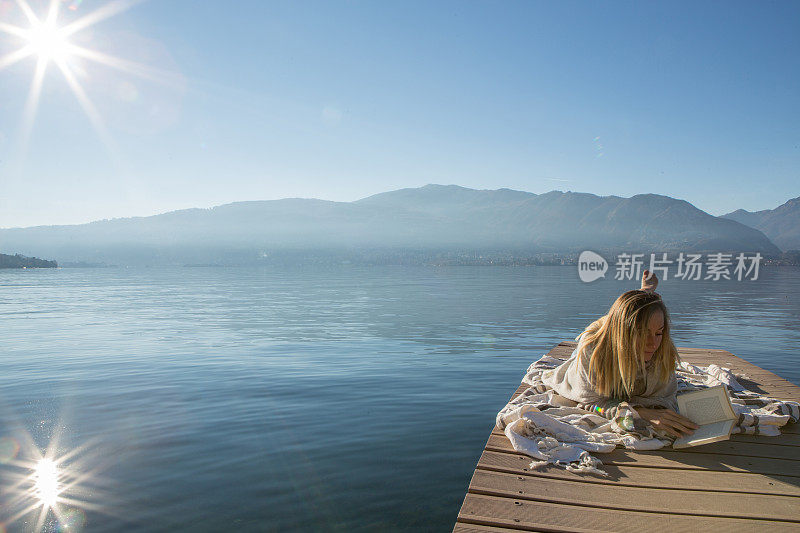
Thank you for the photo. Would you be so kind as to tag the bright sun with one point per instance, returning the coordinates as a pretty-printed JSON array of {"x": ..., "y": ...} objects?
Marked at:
[
  {"x": 47, "y": 484},
  {"x": 47, "y": 41}
]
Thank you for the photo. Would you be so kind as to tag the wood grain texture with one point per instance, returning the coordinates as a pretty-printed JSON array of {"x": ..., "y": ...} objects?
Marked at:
[
  {"x": 625, "y": 498},
  {"x": 511, "y": 512},
  {"x": 637, "y": 476}
]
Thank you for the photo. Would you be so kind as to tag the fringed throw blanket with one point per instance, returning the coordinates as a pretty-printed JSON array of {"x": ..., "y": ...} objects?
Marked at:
[{"x": 539, "y": 423}]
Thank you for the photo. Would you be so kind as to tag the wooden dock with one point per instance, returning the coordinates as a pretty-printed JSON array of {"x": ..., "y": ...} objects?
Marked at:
[{"x": 749, "y": 483}]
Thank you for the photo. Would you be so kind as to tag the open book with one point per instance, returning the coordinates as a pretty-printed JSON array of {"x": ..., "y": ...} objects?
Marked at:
[{"x": 711, "y": 410}]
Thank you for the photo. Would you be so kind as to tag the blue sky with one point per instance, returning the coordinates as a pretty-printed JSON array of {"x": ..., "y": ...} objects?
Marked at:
[{"x": 340, "y": 100}]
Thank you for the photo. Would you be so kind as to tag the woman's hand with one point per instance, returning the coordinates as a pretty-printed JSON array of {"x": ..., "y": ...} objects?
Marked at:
[
  {"x": 649, "y": 281},
  {"x": 667, "y": 420}
]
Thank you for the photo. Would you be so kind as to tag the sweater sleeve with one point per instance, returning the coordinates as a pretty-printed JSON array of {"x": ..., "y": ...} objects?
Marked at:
[
  {"x": 660, "y": 395},
  {"x": 571, "y": 380},
  {"x": 608, "y": 408}
]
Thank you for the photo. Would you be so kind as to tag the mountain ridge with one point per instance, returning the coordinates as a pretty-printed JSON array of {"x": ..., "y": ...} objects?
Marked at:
[
  {"x": 781, "y": 225},
  {"x": 430, "y": 217}
]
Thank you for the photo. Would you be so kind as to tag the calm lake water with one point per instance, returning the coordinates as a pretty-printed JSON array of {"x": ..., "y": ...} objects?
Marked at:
[{"x": 342, "y": 398}]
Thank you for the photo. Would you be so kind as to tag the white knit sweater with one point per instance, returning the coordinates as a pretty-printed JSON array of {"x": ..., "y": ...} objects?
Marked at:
[{"x": 571, "y": 381}]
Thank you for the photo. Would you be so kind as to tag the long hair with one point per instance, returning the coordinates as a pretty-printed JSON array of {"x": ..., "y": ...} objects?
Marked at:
[{"x": 619, "y": 339}]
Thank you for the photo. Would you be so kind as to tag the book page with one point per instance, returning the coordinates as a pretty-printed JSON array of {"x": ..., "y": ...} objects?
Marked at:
[
  {"x": 706, "y": 406},
  {"x": 705, "y": 410},
  {"x": 711, "y": 430},
  {"x": 706, "y": 433}
]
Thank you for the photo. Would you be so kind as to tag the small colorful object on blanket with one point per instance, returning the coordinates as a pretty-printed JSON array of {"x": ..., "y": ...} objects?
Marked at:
[{"x": 539, "y": 424}]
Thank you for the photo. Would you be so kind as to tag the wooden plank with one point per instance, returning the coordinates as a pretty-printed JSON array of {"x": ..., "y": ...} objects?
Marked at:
[
  {"x": 777, "y": 391},
  {"x": 680, "y": 460},
  {"x": 475, "y": 528},
  {"x": 663, "y": 500},
  {"x": 784, "y": 439},
  {"x": 724, "y": 360},
  {"x": 508, "y": 512},
  {"x": 624, "y": 475},
  {"x": 772, "y": 388}
]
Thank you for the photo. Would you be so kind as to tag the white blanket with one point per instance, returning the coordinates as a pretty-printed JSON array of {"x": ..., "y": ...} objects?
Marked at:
[{"x": 538, "y": 426}]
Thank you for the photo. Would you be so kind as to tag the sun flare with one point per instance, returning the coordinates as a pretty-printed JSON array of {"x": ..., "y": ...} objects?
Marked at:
[
  {"x": 49, "y": 491},
  {"x": 47, "y": 41},
  {"x": 47, "y": 483}
]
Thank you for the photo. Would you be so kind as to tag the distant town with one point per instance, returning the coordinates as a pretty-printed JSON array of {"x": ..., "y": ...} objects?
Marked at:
[{"x": 368, "y": 256}]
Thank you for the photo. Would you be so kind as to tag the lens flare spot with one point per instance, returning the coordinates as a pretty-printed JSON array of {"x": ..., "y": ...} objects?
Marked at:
[
  {"x": 72, "y": 521},
  {"x": 127, "y": 92},
  {"x": 9, "y": 448}
]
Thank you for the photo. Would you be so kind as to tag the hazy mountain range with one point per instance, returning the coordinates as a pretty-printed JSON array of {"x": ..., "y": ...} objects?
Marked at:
[
  {"x": 781, "y": 225},
  {"x": 433, "y": 217}
]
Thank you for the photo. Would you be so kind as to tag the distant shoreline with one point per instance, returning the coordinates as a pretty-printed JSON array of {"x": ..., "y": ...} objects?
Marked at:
[
  {"x": 366, "y": 257},
  {"x": 21, "y": 261}
]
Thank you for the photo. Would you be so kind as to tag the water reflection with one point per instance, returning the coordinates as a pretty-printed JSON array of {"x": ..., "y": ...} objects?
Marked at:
[
  {"x": 50, "y": 490},
  {"x": 48, "y": 487}
]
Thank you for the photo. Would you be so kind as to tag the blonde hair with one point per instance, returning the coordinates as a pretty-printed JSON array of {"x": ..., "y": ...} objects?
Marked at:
[{"x": 619, "y": 339}]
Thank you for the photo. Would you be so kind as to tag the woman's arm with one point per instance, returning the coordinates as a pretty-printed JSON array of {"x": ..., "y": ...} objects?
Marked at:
[
  {"x": 659, "y": 408},
  {"x": 667, "y": 420},
  {"x": 649, "y": 281},
  {"x": 607, "y": 408}
]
